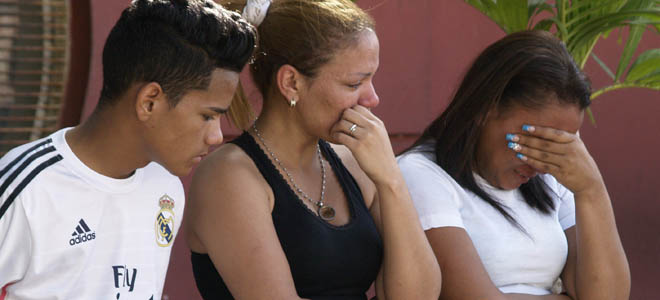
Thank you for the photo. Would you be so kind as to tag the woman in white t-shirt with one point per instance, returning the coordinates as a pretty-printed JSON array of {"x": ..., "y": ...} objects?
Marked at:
[{"x": 508, "y": 195}]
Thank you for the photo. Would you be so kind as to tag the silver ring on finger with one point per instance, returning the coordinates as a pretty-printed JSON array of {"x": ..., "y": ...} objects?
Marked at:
[{"x": 352, "y": 129}]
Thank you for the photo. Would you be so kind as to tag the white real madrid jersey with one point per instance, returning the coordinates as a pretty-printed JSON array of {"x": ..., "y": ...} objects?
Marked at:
[{"x": 67, "y": 232}]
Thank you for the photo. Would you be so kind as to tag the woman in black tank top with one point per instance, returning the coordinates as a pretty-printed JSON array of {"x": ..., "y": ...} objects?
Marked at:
[
  {"x": 350, "y": 254},
  {"x": 280, "y": 213}
]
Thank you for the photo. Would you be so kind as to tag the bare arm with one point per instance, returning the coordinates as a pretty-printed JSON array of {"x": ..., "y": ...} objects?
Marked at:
[
  {"x": 602, "y": 270},
  {"x": 597, "y": 267},
  {"x": 584, "y": 273},
  {"x": 465, "y": 277},
  {"x": 409, "y": 269},
  {"x": 230, "y": 218}
]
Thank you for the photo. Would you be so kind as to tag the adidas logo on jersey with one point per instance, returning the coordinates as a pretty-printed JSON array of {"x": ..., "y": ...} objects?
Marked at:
[{"x": 82, "y": 234}]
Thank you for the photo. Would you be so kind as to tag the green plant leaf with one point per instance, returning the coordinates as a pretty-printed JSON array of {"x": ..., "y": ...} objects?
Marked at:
[
  {"x": 583, "y": 34},
  {"x": 535, "y": 7},
  {"x": 581, "y": 55},
  {"x": 585, "y": 10},
  {"x": 621, "y": 85},
  {"x": 613, "y": 20},
  {"x": 544, "y": 24},
  {"x": 603, "y": 66},
  {"x": 637, "y": 4},
  {"x": 581, "y": 24},
  {"x": 562, "y": 31},
  {"x": 652, "y": 79},
  {"x": 635, "y": 35},
  {"x": 591, "y": 116},
  {"x": 510, "y": 15},
  {"x": 580, "y": 8},
  {"x": 561, "y": 11},
  {"x": 646, "y": 64},
  {"x": 637, "y": 28}
]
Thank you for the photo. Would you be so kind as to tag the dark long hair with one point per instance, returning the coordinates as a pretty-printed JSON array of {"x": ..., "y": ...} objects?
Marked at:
[{"x": 521, "y": 69}]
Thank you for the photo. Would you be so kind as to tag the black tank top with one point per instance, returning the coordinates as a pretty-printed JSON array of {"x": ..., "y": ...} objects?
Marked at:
[{"x": 326, "y": 261}]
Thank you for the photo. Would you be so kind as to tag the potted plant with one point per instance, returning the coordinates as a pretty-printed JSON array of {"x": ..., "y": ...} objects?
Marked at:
[{"x": 581, "y": 24}]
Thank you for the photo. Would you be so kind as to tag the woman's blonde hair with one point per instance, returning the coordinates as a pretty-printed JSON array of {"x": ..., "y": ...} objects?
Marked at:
[{"x": 302, "y": 33}]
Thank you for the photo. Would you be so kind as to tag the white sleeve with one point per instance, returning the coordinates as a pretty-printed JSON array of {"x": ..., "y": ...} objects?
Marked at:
[
  {"x": 565, "y": 202},
  {"x": 432, "y": 190},
  {"x": 15, "y": 242},
  {"x": 566, "y": 208}
]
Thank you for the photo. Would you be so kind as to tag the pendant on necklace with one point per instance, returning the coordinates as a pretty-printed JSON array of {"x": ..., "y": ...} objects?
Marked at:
[{"x": 327, "y": 213}]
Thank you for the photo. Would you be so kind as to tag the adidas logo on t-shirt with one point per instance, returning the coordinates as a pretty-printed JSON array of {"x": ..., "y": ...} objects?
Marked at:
[{"x": 82, "y": 234}]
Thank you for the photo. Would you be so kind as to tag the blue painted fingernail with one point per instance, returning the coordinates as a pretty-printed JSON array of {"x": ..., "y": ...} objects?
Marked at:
[
  {"x": 528, "y": 128},
  {"x": 512, "y": 145},
  {"x": 522, "y": 157},
  {"x": 511, "y": 137}
]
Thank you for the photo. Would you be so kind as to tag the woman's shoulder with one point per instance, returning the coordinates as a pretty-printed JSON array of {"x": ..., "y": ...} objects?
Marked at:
[
  {"x": 422, "y": 172},
  {"x": 417, "y": 163},
  {"x": 227, "y": 160},
  {"x": 227, "y": 171},
  {"x": 438, "y": 198},
  {"x": 417, "y": 157},
  {"x": 226, "y": 187}
]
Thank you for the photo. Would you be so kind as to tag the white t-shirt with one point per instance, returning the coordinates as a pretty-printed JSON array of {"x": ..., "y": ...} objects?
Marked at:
[
  {"x": 67, "y": 232},
  {"x": 516, "y": 262}
]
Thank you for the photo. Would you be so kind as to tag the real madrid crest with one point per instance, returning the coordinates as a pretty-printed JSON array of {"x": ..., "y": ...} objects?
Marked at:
[{"x": 165, "y": 221}]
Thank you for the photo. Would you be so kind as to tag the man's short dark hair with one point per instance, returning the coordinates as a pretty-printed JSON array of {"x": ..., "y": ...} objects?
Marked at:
[{"x": 175, "y": 43}]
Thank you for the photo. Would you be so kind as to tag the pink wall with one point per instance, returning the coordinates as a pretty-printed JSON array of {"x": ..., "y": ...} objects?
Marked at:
[
  {"x": 104, "y": 15},
  {"x": 425, "y": 49}
]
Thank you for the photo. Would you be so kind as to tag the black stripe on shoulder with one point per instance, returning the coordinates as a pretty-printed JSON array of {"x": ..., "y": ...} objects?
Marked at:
[
  {"x": 26, "y": 152},
  {"x": 26, "y": 162},
  {"x": 26, "y": 181}
]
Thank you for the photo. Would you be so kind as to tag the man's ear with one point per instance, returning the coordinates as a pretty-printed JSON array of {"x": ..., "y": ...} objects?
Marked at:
[
  {"x": 150, "y": 98},
  {"x": 289, "y": 82}
]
